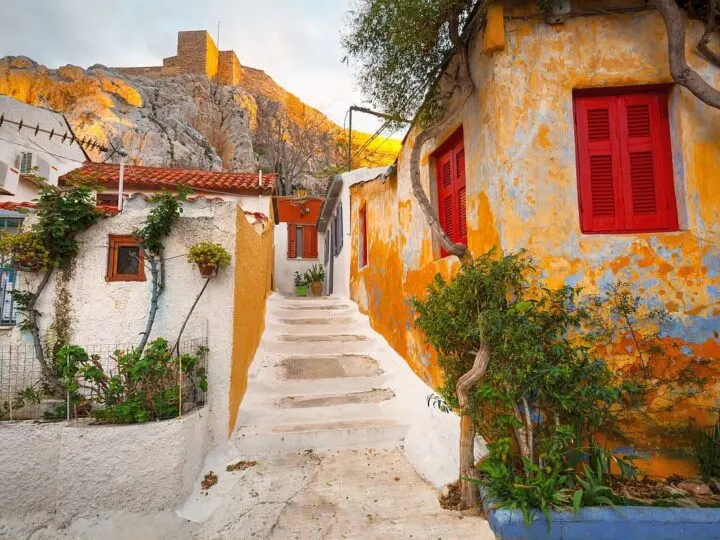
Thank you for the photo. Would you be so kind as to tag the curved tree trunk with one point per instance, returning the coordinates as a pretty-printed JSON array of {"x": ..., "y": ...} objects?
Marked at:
[
  {"x": 465, "y": 83},
  {"x": 465, "y": 384},
  {"x": 157, "y": 271},
  {"x": 681, "y": 73},
  {"x": 48, "y": 368}
]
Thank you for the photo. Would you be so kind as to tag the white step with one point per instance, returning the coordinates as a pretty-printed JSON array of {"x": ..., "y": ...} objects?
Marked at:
[
  {"x": 363, "y": 433},
  {"x": 318, "y": 343}
]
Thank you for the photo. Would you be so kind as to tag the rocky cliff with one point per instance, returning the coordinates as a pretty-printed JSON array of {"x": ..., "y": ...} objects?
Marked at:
[{"x": 178, "y": 121}]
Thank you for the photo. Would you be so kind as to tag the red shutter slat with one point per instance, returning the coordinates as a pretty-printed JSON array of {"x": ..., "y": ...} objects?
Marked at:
[
  {"x": 446, "y": 173},
  {"x": 448, "y": 206},
  {"x": 599, "y": 190},
  {"x": 292, "y": 244},
  {"x": 309, "y": 242},
  {"x": 462, "y": 217},
  {"x": 642, "y": 183}
]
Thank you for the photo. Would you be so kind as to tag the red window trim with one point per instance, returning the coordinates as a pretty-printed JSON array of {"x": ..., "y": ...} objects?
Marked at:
[
  {"x": 451, "y": 185},
  {"x": 625, "y": 219},
  {"x": 363, "y": 238}
]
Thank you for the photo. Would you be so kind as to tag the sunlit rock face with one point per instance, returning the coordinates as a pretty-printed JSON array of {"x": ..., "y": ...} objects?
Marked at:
[{"x": 180, "y": 121}]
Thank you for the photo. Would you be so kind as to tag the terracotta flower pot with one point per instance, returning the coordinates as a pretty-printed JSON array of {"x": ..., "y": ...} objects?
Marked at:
[
  {"x": 316, "y": 287},
  {"x": 207, "y": 271}
]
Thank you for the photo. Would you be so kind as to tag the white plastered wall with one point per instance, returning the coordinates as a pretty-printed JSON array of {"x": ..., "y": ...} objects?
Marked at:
[{"x": 285, "y": 267}]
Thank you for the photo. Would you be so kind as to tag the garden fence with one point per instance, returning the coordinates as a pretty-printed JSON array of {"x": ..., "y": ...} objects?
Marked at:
[{"x": 21, "y": 381}]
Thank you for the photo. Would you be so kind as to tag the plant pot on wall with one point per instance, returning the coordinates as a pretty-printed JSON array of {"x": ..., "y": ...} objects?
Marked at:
[
  {"x": 316, "y": 287},
  {"x": 207, "y": 271},
  {"x": 301, "y": 290}
]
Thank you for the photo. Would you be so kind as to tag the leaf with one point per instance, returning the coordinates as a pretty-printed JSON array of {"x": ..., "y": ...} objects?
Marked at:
[{"x": 577, "y": 500}]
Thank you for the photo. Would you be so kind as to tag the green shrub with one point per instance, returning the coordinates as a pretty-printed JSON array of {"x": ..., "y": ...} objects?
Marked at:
[
  {"x": 146, "y": 386},
  {"x": 315, "y": 273},
  {"x": 707, "y": 452},
  {"x": 209, "y": 255}
]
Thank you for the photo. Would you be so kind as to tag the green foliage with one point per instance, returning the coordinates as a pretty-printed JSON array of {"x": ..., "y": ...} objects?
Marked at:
[
  {"x": 209, "y": 255},
  {"x": 399, "y": 47},
  {"x": 315, "y": 273},
  {"x": 546, "y": 394},
  {"x": 26, "y": 250},
  {"x": 146, "y": 386},
  {"x": 300, "y": 280},
  {"x": 27, "y": 396},
  {"x": 707, "y": 451},
  {"x": 161, "y": 218}
]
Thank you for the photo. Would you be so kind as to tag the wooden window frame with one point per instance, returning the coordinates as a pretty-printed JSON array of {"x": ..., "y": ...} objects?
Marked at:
[
  {"x": 116, "y": 241},
  {"x": 626, "y": 220}
]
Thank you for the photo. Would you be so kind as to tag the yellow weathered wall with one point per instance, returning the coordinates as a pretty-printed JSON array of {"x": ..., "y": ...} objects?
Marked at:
[
  {"x": 522, "y": 185},
  {"x": 254, "y": 256}
]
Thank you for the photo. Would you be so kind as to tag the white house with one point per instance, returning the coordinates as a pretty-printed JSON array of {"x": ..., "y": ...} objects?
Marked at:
[
  {"x": 33, "y": 142},
  {"x": 334, "y": 227}
]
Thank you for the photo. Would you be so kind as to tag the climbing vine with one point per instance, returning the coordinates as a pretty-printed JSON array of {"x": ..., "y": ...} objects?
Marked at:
[
  {"x": 49, "y": 243},
  {"x": 152, "y": 234}
]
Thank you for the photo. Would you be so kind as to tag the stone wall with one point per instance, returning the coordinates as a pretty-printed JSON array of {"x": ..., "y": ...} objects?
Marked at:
[
  {"x": 72, "y": 472},
  {"x": 229, "y": 68}
]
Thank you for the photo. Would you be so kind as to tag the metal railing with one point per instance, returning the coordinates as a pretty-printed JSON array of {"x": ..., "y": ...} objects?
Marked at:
[
  {"x": 8, "y": 280},
  {"x": 22, "y": 395}
]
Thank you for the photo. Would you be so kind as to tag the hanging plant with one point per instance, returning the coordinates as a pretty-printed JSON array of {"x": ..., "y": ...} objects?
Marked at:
[
  {"x": 209, "y": 258},
  {"x": 25, "y": 250}
]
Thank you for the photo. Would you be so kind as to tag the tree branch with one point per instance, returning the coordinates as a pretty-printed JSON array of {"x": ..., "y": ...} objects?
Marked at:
[
  {"x": 710, "y": 27},
  {"x": 679, "y": 69},
  {"x": 465, "y": 384}
]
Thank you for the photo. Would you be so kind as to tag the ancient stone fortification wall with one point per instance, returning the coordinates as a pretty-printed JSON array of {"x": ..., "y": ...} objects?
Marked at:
[
  {"x": 73, "y": 472},
  {"x": 197, "y": 54},
  {"x": 254, "y": 256},
  {"x": 522, "y": 187}
]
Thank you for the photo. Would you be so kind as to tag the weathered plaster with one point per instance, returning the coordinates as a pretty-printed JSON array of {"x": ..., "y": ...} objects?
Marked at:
[
  {"x": 522, "y": 185},
  {"x": 72, "y": 472}
]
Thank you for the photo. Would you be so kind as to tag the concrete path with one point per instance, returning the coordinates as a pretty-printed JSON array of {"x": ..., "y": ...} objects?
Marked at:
[{"x": 322, "y": 420}]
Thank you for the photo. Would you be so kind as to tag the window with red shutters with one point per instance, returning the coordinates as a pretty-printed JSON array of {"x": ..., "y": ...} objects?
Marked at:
[
  {"x": 450, "y": 159},
  {"x": 306, "y": 237},
  {"x": 625, "y": 177}
]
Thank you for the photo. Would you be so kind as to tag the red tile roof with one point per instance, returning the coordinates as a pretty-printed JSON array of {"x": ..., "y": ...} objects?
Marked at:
[
  {"x": 160, "y": 177},
  {"x": 16, "y": 205}
]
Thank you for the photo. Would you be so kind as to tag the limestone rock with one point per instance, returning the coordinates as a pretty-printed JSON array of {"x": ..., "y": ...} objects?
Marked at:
[{"x": 695, "y": 488}]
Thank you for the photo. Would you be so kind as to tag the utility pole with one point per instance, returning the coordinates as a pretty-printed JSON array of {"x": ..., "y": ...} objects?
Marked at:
[
  {"x": 121, "y": 180},
  {"x": 366, "y": 111}
]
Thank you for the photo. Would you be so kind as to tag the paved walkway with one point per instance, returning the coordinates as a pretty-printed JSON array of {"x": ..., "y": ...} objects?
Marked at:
[{"x": 322, "y": 420}]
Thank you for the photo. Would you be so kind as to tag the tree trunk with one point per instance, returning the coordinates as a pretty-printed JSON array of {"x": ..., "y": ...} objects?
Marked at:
[
  {"x": 710, "y": 28},
  {"x": 157, "y": 271},
  {"x": 679, "y": 69},
  {"x": 48, "y": 368},
  {"x": 465, "y": 384},
  {"x": 465, "y": 83}
]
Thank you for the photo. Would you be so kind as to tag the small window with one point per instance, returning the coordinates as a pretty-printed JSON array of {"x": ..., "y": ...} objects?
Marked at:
[
  {"x": 302, "y": 241},
  {"x": 450, "y": 158},
  {"x": 624, "y": 162},
  {"x": 362, "y": 238},
  {"x": 106, "y": 199},
  {"x": 26, "y": 163},
  {"x": 125, "y": 259}
]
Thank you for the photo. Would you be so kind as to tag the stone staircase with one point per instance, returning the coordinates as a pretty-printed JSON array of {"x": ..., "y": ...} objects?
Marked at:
[{"x": 318, "y": 386}]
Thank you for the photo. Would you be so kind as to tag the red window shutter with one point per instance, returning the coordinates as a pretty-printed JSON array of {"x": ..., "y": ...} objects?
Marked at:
[
  {"x": 460, "y": 193},
  {"x": 363, "y": 237},
  {"x": 446, "y": 195},
  {"x": 646, "y": 162},
  {"x": 292, "y": 242},
  {"x": 310, "y": 246},
  {"x": 598, "y": 160}
]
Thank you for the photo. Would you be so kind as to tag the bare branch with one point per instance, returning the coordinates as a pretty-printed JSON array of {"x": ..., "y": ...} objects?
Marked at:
[{"x": 681, "y": 73}]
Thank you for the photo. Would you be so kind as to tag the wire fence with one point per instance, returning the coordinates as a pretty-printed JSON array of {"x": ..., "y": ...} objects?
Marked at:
[{"x": 24, "y": 394}]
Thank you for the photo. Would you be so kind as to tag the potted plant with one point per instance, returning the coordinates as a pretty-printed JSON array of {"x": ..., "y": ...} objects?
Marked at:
[
  {"x": 209, "y": 258},
  {"x": 300, "y": 284},
  {"x": 26, "y": 251},
  {"x": 315, "y": 276}
]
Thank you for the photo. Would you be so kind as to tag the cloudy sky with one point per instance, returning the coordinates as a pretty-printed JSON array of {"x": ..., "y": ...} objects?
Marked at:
[{"x": 297, "y": 42}]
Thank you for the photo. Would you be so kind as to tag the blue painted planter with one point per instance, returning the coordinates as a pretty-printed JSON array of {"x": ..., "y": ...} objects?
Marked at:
[{"x": 608, "y": 523}]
